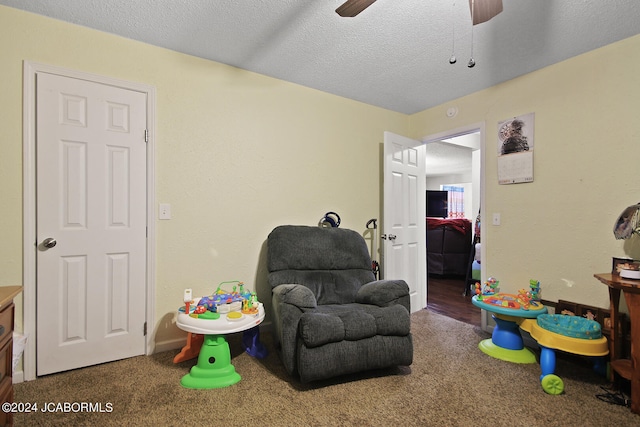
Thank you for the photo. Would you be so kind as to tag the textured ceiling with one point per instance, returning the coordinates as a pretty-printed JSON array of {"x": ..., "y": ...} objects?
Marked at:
[
  {"x": 451, "y": 156},
  {"x": 446, "y": 159},
  {"x": 393, "y": 55}
]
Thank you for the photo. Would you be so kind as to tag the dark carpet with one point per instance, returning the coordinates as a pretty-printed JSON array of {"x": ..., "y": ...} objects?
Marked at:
[{"x": 451, "y": 383}]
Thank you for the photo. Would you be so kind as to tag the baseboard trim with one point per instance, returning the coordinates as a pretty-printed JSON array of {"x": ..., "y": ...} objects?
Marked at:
[
  {"x": 17, "y": 377},
  {"x": 169, "y": 345}
]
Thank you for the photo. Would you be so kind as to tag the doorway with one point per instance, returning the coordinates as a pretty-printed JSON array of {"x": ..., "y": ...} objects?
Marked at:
[
  {"x": 456, "y": 158},
  {"x": 126, "y": 299}
]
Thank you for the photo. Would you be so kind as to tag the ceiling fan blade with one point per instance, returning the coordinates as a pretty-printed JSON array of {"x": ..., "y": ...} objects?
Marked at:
[
  {"x": 351, "y": 8},
  {"x": 483, "y": 10}
]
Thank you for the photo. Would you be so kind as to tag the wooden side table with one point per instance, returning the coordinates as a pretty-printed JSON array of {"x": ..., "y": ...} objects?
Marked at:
[{"x": 626, "y": 368}]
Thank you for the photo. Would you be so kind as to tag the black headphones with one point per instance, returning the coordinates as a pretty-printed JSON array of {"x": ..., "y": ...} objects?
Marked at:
[{"x": 331, "y": 218}]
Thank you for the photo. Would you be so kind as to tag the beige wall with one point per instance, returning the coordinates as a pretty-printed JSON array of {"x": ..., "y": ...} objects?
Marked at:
[
  {"x": 237, "y": 154},
  {"x": 558, "y": 229}
]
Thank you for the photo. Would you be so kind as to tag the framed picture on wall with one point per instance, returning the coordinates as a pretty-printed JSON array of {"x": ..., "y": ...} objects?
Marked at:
[{"x": 515, "y": 150}]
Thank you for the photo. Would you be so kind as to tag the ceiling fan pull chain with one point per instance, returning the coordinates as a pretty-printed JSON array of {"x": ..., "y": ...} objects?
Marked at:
[
  {"x": 472, "y": 62},
  {"x": 452, "y": 59}
]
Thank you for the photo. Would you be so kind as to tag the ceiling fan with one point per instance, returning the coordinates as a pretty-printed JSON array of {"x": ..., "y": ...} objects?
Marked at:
[
  {"x": 351, "y": 8},
  {"x": 481, "y": 10}
]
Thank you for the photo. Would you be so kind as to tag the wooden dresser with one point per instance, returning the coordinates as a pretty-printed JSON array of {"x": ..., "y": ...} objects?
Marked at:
[
  {"x": 7, "y": 293},
  {"x": 627, "y": 368}
]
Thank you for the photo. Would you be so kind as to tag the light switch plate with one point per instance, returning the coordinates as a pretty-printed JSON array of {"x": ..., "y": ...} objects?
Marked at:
[{"x": 165, "y": 211}]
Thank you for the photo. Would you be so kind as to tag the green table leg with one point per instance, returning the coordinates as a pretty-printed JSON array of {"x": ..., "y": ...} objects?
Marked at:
[{"x": 214, "y": 368}]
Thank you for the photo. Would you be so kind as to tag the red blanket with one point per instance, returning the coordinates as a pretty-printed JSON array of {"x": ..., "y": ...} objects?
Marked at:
[{"x": 459, "y": 224}]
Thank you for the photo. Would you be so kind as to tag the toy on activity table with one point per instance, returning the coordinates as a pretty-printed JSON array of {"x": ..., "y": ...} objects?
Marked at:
[
  {"x": 188, "y": 298},
  {"x": 525, "y": 297},
  {"x": 239, "y": 299},
  {"x": 534, "y": 290},
  {"x": 491, "y": 287}
]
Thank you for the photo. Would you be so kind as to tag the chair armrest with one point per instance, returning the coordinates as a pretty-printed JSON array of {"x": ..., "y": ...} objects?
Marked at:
[
  {"x": 297, "y": 295},
  {"x": 384, "y": 293},
  {"x": 289, "y": 303}
]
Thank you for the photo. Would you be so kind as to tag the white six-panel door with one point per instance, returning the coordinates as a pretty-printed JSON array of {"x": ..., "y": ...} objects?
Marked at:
[
  {"x": 404, "y": 215},
  {"x": 91, "y": 210}
]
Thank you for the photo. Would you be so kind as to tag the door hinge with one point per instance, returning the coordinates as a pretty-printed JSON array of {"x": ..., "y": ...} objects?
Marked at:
[
  {"x": 146, "y": 135},
  {"x": 144, "y": 329}
]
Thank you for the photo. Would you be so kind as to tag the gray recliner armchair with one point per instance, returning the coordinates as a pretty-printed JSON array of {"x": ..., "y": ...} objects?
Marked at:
[{"x": 331, "y": 316}]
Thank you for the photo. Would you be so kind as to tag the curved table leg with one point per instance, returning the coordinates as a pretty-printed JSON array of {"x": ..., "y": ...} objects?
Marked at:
[
  {"x": 600, "y": 366},
  {"x": 506, "y": 343},
  {"x": 191, "y": 348},
  {"x": 547, "y": 361},
  {"x": 251, "y": 343}
]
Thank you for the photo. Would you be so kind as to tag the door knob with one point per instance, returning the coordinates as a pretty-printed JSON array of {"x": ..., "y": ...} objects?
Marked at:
[
  {"x": 49, "y": 242},
  {"x": 392, "y": 237}
]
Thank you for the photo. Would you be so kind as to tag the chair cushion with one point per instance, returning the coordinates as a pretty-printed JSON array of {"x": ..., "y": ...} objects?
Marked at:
[
  {"x": 392, "y": 320},
  {"x": 298, "y": 247},
  {"x": 328, "y": 287},
  {"x": 352, "y": 322},
  {"x": 333, "y": 262}
]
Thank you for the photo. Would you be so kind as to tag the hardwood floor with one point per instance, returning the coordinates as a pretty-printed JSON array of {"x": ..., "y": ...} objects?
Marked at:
[{"x": 445, "y": 296}]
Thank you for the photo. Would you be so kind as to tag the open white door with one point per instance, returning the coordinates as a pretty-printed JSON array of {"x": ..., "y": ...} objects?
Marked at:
[{"x": 404, "y": 215}]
